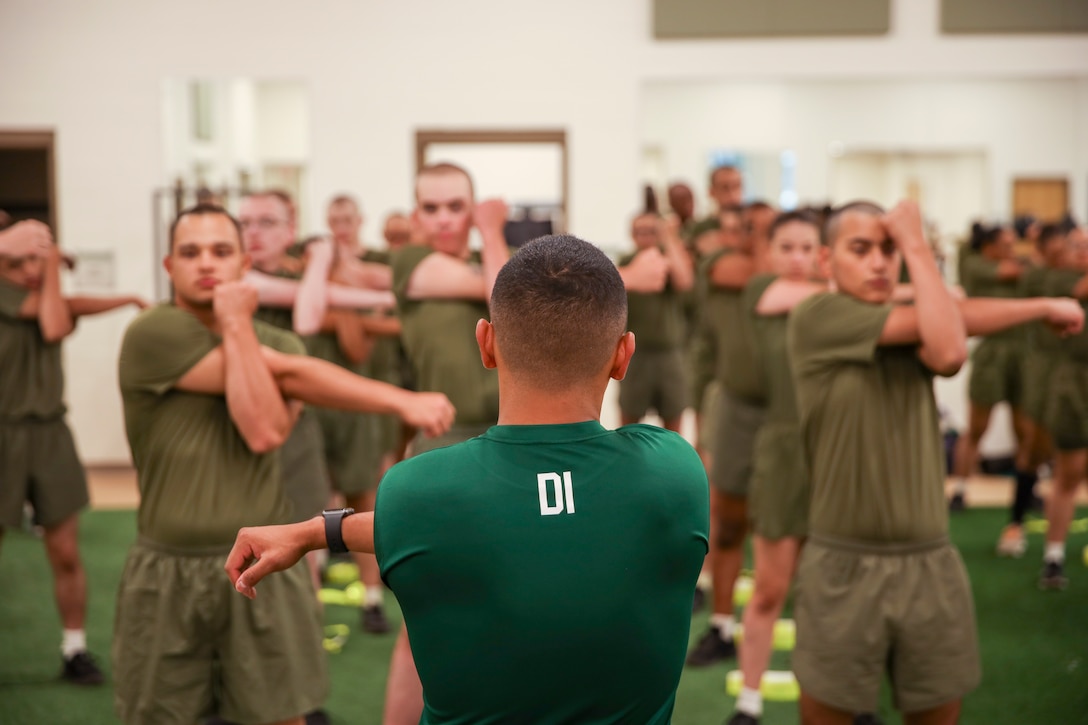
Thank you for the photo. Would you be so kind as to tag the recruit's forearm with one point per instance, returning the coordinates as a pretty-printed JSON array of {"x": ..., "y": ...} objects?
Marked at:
[
  {"x": 54, "y": 317},
  {"x": 327, "y": 385},
  {"x": 83, "y": 306},
  {"x": 680, "y": 269},
  {"x": 941, "y": 328},
  {"x": 311, "y": 301},
  {"x": 256, "y": 406},
  {"x": 494, "y": 255},
  {"x": 986, "y": 316}
]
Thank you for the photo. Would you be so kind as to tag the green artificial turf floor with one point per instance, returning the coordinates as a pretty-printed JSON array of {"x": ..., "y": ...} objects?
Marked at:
[{"x": 1034, "y": 644}]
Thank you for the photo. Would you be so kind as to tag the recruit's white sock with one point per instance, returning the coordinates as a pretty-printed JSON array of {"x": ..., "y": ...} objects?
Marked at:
[
  {"x": 372, "y": 597},
  {"x": 725, "y": 624},
  {"x": 1055, "y": 552},
  {"x": 750, "y": 702},
  {"x": 74, "y": 642},
  {"x": 959, "y": 485},
  {"x": 704, "y": 581}
]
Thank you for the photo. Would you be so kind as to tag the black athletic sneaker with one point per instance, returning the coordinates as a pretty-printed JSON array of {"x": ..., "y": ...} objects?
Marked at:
[
  {"x": 1053, "y": 577},
  {"x": 698, "y": 601},
  {"x": 711, "y": 649},
  {"x": 318, "y": 717},
  {"x": 80, "y": 669},
  {"x": 374, "y": 620},
  {"x": 742, "y": 718},
  {"x": 867, "y": 718},
  {"x": 957, "y": 503}
]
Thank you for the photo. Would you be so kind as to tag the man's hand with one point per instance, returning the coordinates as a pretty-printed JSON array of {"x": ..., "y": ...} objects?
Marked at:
[
  {"x": 319, "y": 251},
  {"x": 647, "y": 272},
  {"x": 490, "y": 216},
  {"x": 262, "y": 550},
  {"x": 433, "y": 413},
  {"x": 1065, "y": 316},
  {"x": 234, "y": 300},
  {"x": 26, "y": 238}
]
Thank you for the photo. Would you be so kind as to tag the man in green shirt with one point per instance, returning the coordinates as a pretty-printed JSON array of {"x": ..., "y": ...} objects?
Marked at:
[
  {"x": 880, "y": 588},
  {"x": 546, "y": 568},
  {"x": 727, "y": 191},
  {"x": 657, "y": 378},
  {"x": 38, "y": 460},
  {"x": 992, "y": 270},
  {"x": 209, "y": 395},
  {"x": 736, "y": 421},
  {"x": 442, "y": 289}
]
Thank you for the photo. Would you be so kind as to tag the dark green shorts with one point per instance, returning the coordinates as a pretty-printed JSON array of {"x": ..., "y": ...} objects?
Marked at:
[
  {"x": 302, "y": 466},
  {"x": 864, "y": 612},
  {"x": 1066, "y": 416},
  {"x": 738, "y": 422},
  {"x": 186, "y": 645},
  {"x": 996, "y": 372},
  {"x": 656, "y": 380},
  {"x": 350, "y": 453},
  {"x": 39, "y": 464},
  {"x": 780, "y": 491},
  {"x": 1035, "y": 384}
]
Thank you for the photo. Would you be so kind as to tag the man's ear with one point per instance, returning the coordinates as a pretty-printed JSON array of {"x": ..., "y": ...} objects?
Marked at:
[
  {"x": 168, "y": 263},
  {"x": 625, "y": 349},
  {"x": 485, "y": 338}
]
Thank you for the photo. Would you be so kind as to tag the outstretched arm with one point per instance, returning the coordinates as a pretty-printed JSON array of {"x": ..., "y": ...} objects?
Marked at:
[
  {"x": 783, "y": 295},
  {"x": 313, "y": 298},
  {"x": 261, "y": 550},
  {"x": 278, "y": 292}
]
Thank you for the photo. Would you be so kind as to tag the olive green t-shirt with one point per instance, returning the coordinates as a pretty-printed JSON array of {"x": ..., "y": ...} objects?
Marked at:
[
  {"x": 737, "y": 365},
  {"x": 440, "y": 338},
  {"x": 769, "y": 335},
  {"x": 1060, "y": 283},
  {"x": 657, "y": 319},
  {"x": 546, "y": 572},
  {"x": 1034, "y": 283},
  {"x": 281, "y": 317},
  {"x": 979, "y": 279},
  {"x": 199, "y": 481},
  {"x": 869, "y": 425},
  {"x": 31, "y": 375}
]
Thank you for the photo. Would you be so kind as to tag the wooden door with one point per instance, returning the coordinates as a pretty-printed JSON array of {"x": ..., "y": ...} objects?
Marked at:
[{"x": 1044, "y": 199}]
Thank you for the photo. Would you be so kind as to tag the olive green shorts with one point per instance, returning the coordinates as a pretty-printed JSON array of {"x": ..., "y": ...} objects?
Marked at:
[
  {"x": 1066, "y": 416},
  {"x": 738, "y": 423},
  {"x": 302, "y": 465},
  {"x": 865, "y": 611},
  {"x": 996, "y": 372},
  {"x": 39, "y": 464},
  {"x": 700, "y": 361},
  {"x": 350, "y": 453},
  {"x": 187, "y": 645},
  {"x": 780, "y": 491},
  {"x": 656, "y": 380},
  {"x": 710, "y": 412},
  {"x": 1035, "y": 383}
]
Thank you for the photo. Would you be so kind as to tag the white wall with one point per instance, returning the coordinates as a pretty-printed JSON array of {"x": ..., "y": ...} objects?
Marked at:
[{"x": 376, "y": 71}]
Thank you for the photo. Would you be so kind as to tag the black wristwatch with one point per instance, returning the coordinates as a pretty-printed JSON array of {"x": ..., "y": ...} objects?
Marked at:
[{"x": 334, "y": 536}]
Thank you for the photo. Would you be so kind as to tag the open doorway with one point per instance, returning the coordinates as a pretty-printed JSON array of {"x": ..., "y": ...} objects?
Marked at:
[{"x": 27, "y": 186}]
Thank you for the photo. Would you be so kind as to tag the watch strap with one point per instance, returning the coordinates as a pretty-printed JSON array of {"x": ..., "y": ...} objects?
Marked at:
[{"x": 334, "y": 535}]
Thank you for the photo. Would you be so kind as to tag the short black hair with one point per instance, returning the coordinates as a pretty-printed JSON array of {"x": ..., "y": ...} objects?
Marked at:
[
  {"x": 559, "y": 308},
  {"x": 1048, "y": 233},
  {"x": 787, "y": 217},
  {"x": 203, "y": 210},
  {"x": 831, "y": 225}
]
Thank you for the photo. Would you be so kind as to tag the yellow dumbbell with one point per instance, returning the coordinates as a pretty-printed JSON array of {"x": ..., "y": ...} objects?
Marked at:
[
  {"x": 785, "y": 634},
  {"x": 776, "y": 685},
  {"x": 742, "y": 590},
  {"x": 342, "y": 573}
]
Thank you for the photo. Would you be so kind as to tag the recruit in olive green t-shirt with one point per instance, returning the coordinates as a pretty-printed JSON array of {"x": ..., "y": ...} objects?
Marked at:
[
  {"x": 768, "y": 333},
  {"x": 869, "y": 425},
  {"x": 657, "y": 319},
  {"x": 31, "y": 375},
  {"x": 571, "y": 550},
  {"x": 440, "y": 338},
  {"x": 199, "y": 481}
]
